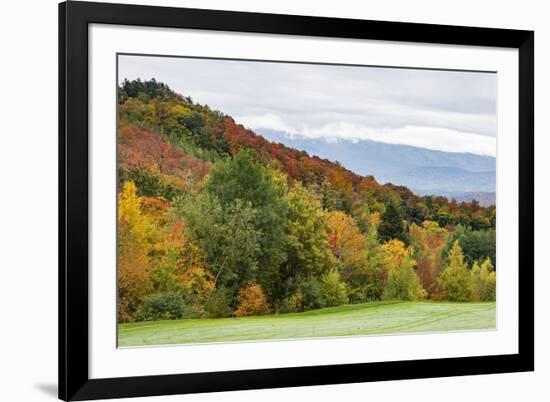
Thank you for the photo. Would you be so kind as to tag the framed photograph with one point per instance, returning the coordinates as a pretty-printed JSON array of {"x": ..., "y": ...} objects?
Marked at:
[{"x": 257, "y": 200}]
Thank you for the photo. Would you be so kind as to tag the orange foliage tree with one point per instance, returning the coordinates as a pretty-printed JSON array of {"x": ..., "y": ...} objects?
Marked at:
[
  {"x": 351, "y": 250},
  {"x": 346, "y": 241},
  {"x": 252, "y": 301},
  {"x": 428, "y": 241},
  {"x": 180, "y": 264},
  {"x": 140, "y": 149}
]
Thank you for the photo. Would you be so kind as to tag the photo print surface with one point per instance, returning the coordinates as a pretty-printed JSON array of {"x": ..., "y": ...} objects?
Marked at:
[{"x": 270, "y": 200}]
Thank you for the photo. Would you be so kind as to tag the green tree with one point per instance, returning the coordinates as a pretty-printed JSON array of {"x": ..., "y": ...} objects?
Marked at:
[
  {"x": 227, "y": 236},
  {"x": 368, "y": 278},
  {"x": 263, "y": 191},
  {"x": 392, "y": 225},
  {"x": 311, "y": 290},
  {"x": 369, "y": 283},
  {"x": 217, "y": 303},
  {"x": 476, "y": 245},
  {"x": 455, "y": 279},
  {"x": 402, "y": 282},
  {"x": 333, "y": 290},
  {"x": 479, "y": 245},
  {"x": 477, "y": 283},
  {"x": 307, "y": 242}
]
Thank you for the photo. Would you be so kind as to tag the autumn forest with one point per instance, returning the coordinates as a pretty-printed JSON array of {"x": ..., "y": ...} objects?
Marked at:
[{"x": 216, "y": 221}]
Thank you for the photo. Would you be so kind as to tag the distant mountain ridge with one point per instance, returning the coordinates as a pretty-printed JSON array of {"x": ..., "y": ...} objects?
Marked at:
[
  {"x": 483, "y": 197},
  {"x": 448, "y": 179},
  {"x": 425, "y": 170}
]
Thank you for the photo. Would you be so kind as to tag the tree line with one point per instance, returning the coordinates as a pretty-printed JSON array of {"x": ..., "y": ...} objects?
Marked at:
[{"x": 215, "y": 221}]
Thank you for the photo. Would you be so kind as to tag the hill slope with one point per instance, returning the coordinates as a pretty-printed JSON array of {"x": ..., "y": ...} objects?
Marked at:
[{"x": 168, "y": 142}]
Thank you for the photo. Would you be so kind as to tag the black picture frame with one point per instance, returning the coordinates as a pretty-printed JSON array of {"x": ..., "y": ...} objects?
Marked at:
[{"x": 74, "y": 18}]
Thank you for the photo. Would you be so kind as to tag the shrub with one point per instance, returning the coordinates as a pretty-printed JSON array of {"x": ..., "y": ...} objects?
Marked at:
[
  {"x": 312, "y": 297},
  {"x": 164, "y": 306},
  {"x": 333, "y": 290},
  {"x": 359, "y": 294},
  {"x": 252, "y": 301},
  {"x": 216, "y": 304},
  {"x": 403, "y": 283},
  {"x": 292, "y": 304},
  {"x": 295, "y": 301}
]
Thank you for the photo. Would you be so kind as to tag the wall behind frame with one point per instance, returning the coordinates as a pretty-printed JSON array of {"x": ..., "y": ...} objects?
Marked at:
[{"x": 28, "y": 206}]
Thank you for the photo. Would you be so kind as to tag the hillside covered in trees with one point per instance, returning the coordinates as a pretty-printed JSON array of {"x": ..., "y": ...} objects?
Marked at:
[{"x": 216, "y": 221}]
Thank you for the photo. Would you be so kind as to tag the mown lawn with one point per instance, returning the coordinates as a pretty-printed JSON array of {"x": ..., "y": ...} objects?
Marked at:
[{"x": 358, "y": 319}]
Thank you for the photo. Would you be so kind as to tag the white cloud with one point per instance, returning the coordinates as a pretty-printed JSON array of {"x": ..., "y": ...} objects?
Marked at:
[
  {"x": 267, "y": 120},
  {"x": 441, "y": 110},
  {"x": 435, "y": 138}
]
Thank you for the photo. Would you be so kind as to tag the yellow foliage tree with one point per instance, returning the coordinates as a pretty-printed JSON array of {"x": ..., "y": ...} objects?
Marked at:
[
  {"x": 397, "y": 252},
  {"x": 199, "y": 282},
  {"x": 483, "y": 281},
  {"x": 346, "y": 241},
  {"x": 456, "y": 280},
  {"x": 489, "y": 277},
  {"x": 402, "y": 281},
  {"x": 134, "y": 282}
]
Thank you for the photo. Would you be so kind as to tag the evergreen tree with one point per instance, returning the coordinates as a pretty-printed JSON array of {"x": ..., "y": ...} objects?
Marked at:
[{"x": 392, "y": 226}]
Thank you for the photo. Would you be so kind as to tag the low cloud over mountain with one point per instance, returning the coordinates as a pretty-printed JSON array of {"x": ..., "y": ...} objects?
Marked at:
[{"x": 460, "y": 175}]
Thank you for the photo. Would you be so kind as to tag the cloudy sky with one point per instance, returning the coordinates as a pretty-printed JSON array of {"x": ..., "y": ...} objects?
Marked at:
[{"x": 441, "y": 110}]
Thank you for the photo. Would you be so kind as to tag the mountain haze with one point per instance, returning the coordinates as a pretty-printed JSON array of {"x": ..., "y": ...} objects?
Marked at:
[{"x": 425, "y": 171}]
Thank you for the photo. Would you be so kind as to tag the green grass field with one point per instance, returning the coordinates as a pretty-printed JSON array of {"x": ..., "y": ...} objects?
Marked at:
[{"x": 358, "y": 319}]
